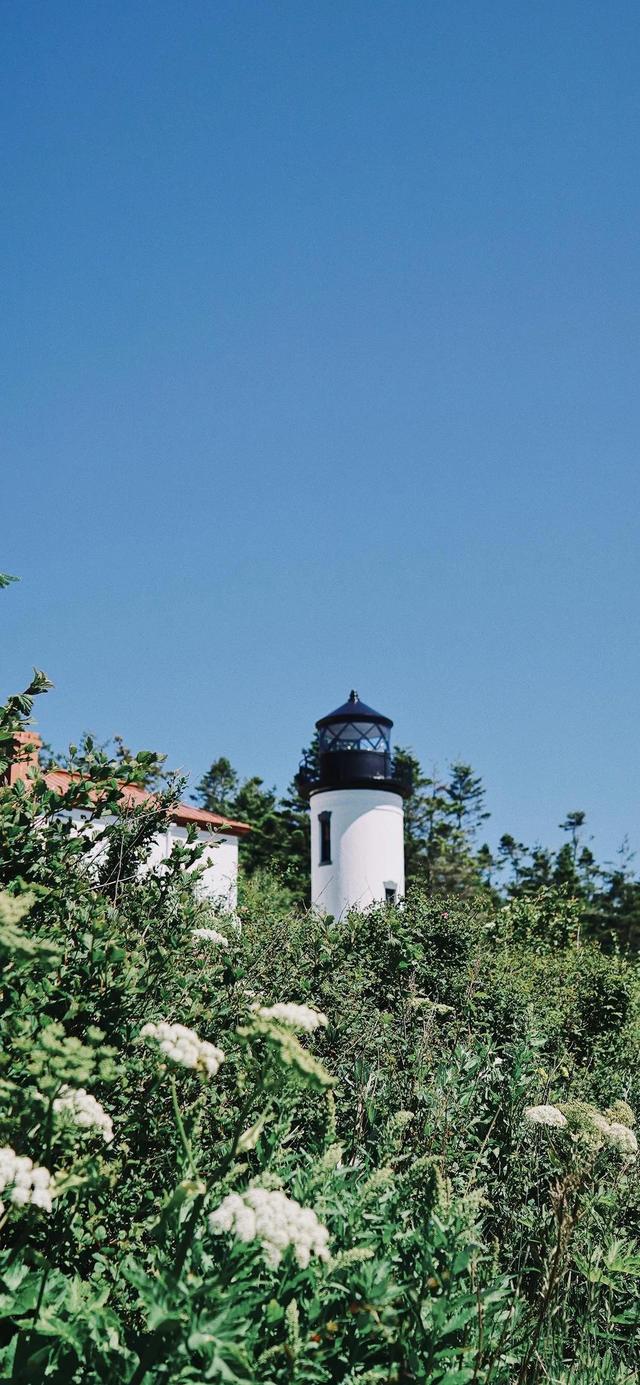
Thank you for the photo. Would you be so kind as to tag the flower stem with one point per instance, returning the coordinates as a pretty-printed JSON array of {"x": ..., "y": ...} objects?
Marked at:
[{"x": 181, "y": 1130}]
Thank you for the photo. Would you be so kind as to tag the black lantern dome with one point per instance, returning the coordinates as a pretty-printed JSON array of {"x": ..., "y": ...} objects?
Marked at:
[{"x": 353, "y": 751}]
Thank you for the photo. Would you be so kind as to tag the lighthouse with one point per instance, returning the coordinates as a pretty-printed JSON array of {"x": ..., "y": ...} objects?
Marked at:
[{"x": 356, "y": 809}]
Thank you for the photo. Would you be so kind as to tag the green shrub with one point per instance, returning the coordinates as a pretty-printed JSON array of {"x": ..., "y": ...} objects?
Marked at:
[{"x": 386, "y": 1210}]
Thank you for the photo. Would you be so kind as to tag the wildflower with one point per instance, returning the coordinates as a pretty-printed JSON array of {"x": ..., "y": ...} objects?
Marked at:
[
  {"x": 332, "y": 1157},
  {"x": 379, "y": 1181},
  {"x": 288, "y": 1048},
  {"x": 27, "y": 1182},
  {"x": 293, "y": 1016},
  {"x": 84, "y": 1111},
  {"x": 356, "y": 1255},
  {"x": 622, "y": 1139},
  {"x": 426, "y": 1187},
  {"x": 395, "y": 1131},
  {"x": 597, "y": 1130},
  {"x": 620, "y": 1111},
  {"x": 586, "y": 1124},
  {"x": 210, "y": 935},
  {"x": 275, "y": 1221},
  {"x": 21, "y": 945},
  {"x": 544, "y": 1115},
  {"x": 269, "y": 1179},
  {"x": 183, "y": 1046},
  {"x": 589, "y": 1127},
  {"x": 292, "y": 1322}
]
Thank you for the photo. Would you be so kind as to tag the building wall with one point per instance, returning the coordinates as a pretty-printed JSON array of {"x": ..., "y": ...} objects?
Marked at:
[
  {"x": 220, "y": 859},
  {"x": 367, "y": 848},
  {"x": 219, "y": 881}
]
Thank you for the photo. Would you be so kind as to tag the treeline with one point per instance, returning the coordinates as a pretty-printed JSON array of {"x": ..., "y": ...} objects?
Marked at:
[{"x": 444, "y": 848}]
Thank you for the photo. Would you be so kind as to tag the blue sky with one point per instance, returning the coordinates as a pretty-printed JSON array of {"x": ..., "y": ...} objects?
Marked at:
[{"x": 320, "y": 369}]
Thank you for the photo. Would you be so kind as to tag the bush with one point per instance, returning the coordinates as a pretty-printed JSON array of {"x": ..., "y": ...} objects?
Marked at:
[{"x": 348, "y": 1190}]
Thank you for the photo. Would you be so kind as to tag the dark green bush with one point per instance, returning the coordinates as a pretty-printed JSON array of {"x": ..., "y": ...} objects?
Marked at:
[{"x": 466, "y": 1243}]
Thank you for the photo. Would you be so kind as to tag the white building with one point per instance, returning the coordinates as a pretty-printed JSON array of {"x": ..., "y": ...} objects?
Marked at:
[
  {"x": 218, "y": 836},
  {"x": 356, "y": 806}
]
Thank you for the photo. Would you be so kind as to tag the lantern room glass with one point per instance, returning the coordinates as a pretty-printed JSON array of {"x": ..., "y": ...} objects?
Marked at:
[{"x": 354, "y": 735}]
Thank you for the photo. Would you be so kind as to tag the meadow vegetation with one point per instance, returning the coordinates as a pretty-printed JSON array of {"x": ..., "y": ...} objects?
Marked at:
[{"x": 263, "y": 1147}]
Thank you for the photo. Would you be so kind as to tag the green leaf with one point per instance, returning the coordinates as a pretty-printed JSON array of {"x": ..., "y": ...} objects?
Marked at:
[{"x": 249, "y": 1139}]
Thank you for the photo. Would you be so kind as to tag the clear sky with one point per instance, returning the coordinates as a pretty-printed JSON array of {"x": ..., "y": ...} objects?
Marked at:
[{"x": 320, "y": 329}]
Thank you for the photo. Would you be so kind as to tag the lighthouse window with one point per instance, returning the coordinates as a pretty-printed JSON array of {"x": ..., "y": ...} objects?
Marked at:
[
  {"x": 325, "y": 838},
  {"x": 390, "y": 894},
  {"x": 354, "y": 735}
]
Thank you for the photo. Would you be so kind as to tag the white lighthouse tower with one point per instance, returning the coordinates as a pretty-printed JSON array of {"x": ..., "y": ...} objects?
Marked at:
[{"x": 357, "y": 843}]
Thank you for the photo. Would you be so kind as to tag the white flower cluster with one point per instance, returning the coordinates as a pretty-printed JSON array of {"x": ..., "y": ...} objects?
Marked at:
[
  {"x": 622, "y": 1139},
  {"x": 293, "y": 1016},
  {"x": 28, "y": 1182},
  {"x": 612, "y": 1133},
  {"x": 544, "y": 1115},
  {"x": 210, "y": 935},
  {"x": 276, "y": 1221},
  {"x": 183, "y": 1046},
  {"x": 83, "y": 1109}
]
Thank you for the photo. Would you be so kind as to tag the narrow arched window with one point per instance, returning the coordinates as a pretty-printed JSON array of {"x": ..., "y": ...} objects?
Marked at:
[{"x": 325, "y": 838}]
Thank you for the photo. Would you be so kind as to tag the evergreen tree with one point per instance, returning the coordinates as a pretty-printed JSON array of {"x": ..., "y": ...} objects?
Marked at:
[
  {"x": 266, "y": 845},
  {"x": 466, "y": 795},
  {"x": 440, "y": 821},
  {"x": 575, "y": 867},
  {"x": 217, "y": 789},
  {"x": 486, "y": 865},
  {"x": 294, "y": 810},
  {"x": 512, "y": 857},
  {"x": 572, "y": 824},
  {"x": 615, "y": 912},
  {"x": 416, "y": 809},
  {"x": 537, "y": 872},
  {"x": 566, "y": 874}
]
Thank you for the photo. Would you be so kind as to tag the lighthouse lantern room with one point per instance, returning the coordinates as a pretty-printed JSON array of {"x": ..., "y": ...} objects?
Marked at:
[{"x": 355, "y": 801}]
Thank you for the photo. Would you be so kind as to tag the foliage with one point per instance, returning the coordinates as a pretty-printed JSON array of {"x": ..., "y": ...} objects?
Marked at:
[
  {"x": 359, "y": 1187},
  {"x": 279, "y": 839},
  {"x": 460, "y": 1245},
  {"x": 443, "y": 816}
]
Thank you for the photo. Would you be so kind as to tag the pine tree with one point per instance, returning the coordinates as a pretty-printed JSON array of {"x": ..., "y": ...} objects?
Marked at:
[
  {"x": 466, "y": 795},
  {"x": 615, "y": 911},
  {"x": 440, "y": 821},
  {"x": 512, "y": 857},
  {"x": 409, "y": 770},
  {"x": 221, "y": 791},
  {"x": 217, "y": 789},
  {"x": 276, "y": 843},
  {"x": 572, "y": 824},
  {"x": 537, "y": 872},
  {"x": 294, "y": 810},
  {"x": 266, "y": 845}
]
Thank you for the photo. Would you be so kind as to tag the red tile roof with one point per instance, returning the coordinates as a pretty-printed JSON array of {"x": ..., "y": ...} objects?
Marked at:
[
  {"x": 28, "y": 744},
  {"x": 181, "y": 813}
]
